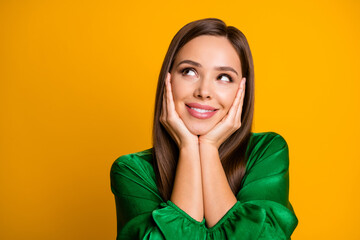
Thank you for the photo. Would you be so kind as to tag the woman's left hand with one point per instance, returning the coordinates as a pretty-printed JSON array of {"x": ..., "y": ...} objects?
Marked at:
[{"x": 229, "y": 124}]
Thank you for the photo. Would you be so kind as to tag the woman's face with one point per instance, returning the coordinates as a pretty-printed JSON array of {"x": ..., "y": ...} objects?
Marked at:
[{"x": 206, "y": 71}]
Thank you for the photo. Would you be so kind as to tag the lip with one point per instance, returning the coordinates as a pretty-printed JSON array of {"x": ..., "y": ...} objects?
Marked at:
[
  {"x": 200, "y": 115},
  {"x": 198, "y": 105}
]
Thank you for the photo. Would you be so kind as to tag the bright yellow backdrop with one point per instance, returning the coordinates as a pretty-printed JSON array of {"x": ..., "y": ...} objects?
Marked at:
[{"x": 77, "y": 88}]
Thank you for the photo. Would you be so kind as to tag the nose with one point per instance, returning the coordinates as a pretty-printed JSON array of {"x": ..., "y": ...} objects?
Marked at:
[{"x": 203, "y": 89}]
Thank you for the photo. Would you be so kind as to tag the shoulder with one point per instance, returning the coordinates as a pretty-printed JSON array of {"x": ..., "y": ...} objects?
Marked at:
[
  {"x": 133, "y": 175},
  {"x": 262, "y": 145},
  {"x": 264, "y": 140},
  {"x": 136, "y": 162}
]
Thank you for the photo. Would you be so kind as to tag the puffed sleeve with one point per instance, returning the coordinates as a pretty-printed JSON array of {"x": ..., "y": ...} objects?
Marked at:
[
  {"x": 141, "y": 212},
  {"x": 263, "y": 210}
]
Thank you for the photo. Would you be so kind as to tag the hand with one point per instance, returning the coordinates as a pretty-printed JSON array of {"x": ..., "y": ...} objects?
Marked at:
[
  {"x": 172, "y": 122},
  {"x": 229, "y": 124}
]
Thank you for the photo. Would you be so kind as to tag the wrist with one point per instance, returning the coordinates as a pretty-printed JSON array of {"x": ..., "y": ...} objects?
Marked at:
[
  {"x": 207, "y": 143},
  {"x": 192, "y": 146},
  {"x": 189, "y": 145}
]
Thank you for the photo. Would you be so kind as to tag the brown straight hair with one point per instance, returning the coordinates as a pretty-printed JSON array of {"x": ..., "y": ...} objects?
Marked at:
[{"x": 232, "y": 152}]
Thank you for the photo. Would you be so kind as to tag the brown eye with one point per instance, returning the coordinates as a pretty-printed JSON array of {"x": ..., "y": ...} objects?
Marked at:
[{"x": 186, "y": 70}]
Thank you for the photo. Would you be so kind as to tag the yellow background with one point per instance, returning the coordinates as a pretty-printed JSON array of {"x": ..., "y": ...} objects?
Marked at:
[{"x": 77, "y": 89}]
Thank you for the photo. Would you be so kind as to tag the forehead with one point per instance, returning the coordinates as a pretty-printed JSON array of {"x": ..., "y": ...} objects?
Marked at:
[{"x": 210, "y": 51}]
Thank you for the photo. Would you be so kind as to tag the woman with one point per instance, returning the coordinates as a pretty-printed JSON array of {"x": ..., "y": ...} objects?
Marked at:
[{"x": 207, "y": 176}]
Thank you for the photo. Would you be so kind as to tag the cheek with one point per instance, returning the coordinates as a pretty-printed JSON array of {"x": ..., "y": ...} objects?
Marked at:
[
  {"x": 178, "y": 94},
  {"x": 227, "y": 98},
  {"x": 179, "y": 89},
  {"x": 175, "y": 91}
]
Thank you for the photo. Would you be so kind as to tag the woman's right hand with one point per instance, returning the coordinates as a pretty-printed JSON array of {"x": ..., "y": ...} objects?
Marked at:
[{"x": 172, "y": 122}]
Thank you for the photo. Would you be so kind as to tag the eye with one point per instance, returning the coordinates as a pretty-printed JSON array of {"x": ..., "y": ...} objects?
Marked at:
[
  {"x": 227, "y": 77},
  {"x": 185, "y": 70}
]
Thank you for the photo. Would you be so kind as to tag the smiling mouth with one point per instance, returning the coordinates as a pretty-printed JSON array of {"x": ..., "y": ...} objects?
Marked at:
[
  {"x": 201, "y": 113},
  {"x": 201, "y": 110}
]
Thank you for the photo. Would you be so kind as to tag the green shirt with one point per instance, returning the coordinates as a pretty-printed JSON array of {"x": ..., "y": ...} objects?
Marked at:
[{"x": 263, "y": 210}]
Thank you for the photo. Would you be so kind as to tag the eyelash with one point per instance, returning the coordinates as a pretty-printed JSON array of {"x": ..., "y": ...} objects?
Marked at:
[{"x": 187, "y": 68}]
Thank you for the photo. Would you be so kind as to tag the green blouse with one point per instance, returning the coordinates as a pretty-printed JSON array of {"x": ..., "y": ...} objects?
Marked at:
[{"x": 263, "y": 210}]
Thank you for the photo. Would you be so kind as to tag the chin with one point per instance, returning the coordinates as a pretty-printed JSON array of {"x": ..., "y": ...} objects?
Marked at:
[{"x": 199, "y": 130}]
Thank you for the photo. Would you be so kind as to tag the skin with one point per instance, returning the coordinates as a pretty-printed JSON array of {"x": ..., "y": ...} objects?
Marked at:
[{"x": 201, "y": 188}]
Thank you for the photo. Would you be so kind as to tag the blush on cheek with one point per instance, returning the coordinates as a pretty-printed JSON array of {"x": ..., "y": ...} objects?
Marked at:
[
  {"x": 233, "y": 96},
  {"x": 227, "y": 99},
  {"x": 174, "y": 90}
]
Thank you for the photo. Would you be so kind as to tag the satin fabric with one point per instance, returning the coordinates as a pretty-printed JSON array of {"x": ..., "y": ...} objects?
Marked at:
[{"x": 263, "y": 210}]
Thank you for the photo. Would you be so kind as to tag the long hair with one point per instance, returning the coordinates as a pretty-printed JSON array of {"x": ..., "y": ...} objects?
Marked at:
[{"x": 232, "y": 152}]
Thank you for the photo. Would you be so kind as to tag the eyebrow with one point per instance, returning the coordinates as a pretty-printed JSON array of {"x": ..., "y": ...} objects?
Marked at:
[{"x": 223, "y": 68}]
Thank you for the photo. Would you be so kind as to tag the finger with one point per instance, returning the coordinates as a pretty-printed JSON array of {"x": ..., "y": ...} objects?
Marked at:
[
  {"x": 170, "y": 109},
  {"x": 239, "y": 112},
  {"x": 170, "y": 99},
  {"x": 235, "y": 105},
  {"x": 163, "y": 110},
  {"x": 164, "y": 107}
]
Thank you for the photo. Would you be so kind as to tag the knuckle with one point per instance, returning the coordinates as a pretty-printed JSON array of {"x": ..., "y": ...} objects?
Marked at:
[
  {"x": 229, "y": 124},
  {"x": 162, "y": 119},
  {"x": 171, "y": 119}
]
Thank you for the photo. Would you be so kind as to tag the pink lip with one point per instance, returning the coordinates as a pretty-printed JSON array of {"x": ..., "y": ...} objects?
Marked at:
[
  {"x": 200, "y": 115},
  {"x": 198, "y": 105}
]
